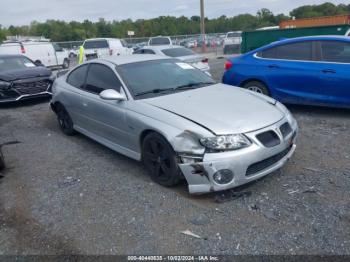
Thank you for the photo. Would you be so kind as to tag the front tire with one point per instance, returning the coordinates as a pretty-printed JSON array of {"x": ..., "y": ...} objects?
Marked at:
[
  {"x": 258, "y": 87},
  {"x": 65, "y": 121},
  {"x": 160, "y": 160}
]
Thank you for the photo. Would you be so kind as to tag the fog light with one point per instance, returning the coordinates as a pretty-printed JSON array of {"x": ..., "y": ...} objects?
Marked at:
[{"x": 223, "y": 176}]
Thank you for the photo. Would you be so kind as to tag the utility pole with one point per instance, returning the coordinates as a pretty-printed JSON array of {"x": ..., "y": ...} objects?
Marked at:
[{"x": 202, "y": 25}]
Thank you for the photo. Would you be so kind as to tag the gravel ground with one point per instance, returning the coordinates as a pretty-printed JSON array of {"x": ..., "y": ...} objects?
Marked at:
[{"x": 64, "y": 195}]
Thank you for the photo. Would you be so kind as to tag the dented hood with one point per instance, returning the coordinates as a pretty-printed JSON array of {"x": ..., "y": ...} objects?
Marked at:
[{"x": 220, "y": 108}]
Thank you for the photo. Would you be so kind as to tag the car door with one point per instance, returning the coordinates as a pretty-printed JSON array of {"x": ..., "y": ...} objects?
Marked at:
[
  {"x": 73, "y": 95},
  {"x": 291, "y": 72},
  {"x": 334, "y": 70},
  {"x": 105, "y": 119}
]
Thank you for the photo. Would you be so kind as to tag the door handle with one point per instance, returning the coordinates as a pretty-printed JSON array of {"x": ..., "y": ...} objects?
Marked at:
[
  {"x": 274, "y": 66},
  {"x": 328, "y": 71}
]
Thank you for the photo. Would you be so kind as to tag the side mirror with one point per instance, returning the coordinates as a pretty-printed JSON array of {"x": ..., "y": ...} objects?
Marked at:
[
  {"x": 111, "y": 94},
  {"x": 38, "y": 63}
]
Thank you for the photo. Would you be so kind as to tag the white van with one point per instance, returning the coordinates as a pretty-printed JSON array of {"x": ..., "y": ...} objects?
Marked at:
[
  {"x": 47, "y": 53},
  {"x": 102, "y": 47}
]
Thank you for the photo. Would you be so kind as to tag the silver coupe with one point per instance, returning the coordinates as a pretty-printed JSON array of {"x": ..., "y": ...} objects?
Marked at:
[{"x": 175, "y": 119}]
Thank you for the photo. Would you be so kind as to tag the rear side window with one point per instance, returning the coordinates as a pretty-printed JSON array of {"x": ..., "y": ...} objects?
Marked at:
[
  {"x": 145, "y": 51},
  {"x": 177, "y": 52},
  {"x": 335, "y": 51},
  {"x": 100, "y": 78},
  {"x": 93, "y": 44},
  {"x": 296, "y": 51},
  {"x": 77, "y": 77},
  {"x": 160, "y": 41}
]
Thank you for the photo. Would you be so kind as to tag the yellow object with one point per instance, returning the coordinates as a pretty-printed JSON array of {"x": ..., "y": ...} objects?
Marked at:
[{"x": 81, "y": 55}]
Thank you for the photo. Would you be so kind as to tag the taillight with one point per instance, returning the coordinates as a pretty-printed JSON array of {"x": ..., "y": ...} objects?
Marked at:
[
  {"x": 228, "y": 65},
  {"x": 205, "y": 60},
  {"x": 23, "y": 51},
  {"x": 110, "y": 51}
]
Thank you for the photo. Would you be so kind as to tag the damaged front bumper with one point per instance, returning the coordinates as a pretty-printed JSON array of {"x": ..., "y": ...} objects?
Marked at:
[
  {"x": 26, "y": 89},
  {"x": 246, "y": 165}
]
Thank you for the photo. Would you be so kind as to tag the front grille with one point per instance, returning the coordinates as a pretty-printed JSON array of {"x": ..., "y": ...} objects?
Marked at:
[
  {"x": 260, "y": 166},
  {"x": 31, "y": 88},
  {"x": 269, "y": 138},
  {"x": 286, "y": 129}
]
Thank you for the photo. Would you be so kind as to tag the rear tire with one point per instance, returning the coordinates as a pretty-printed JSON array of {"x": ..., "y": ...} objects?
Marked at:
[
  {"x": 2, "y": 161},
  {"x": 258, "y": 87},
  {"x": 65, "y": 121},
  {"x": 160, "y": 160}
]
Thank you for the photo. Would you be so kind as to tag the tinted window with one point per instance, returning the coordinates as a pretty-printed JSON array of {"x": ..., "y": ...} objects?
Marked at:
[
  {"x": 144, "y": 51},
  {"x": 177, "y": 52},
  {"x": 100, "y": 78},
  {"x": 148, "y": 51},
  {"x": 165, "y": 74},
  {"x": 230, "y": 35},
  {"x": 57, "y": 47},
  {"x": 13, "y": 63},
  {"x": 77, "y": 77},
  {"x": 160, "y": 41},
  {"x": 295, "y": 51},
  {"x": 92, "y": 44},
  {"x": 335, "y": 51}
]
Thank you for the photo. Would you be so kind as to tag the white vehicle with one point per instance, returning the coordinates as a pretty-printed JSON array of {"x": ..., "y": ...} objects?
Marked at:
[
  {"x": 179, "y": 52},
  {"x": 160, "y": 40},
  {"x": 104, "y": 47},
  {"x": 232, "y": 42},
  {"x": 47, "y": 53}
]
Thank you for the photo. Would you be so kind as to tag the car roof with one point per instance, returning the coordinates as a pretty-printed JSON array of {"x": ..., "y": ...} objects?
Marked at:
[
  {"x": 11, "y": 56},
  {"x": 312, "y": 38},
  {"x": 101, "y": 38},
  {"x": 128, "y": 59},
  {"x": 161, "y": 47},
  {"x": 301, "y": 39}
]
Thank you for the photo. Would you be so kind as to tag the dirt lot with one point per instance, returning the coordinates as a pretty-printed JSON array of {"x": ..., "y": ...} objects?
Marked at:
[{"x": 63, "y": 195}]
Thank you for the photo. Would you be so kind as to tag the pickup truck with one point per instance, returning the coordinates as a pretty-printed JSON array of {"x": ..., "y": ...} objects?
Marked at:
[{"x": 232, "y": 42}]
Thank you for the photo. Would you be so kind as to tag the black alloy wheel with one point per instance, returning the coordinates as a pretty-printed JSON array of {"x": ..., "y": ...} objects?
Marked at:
[{"x": 160, "y": 160}]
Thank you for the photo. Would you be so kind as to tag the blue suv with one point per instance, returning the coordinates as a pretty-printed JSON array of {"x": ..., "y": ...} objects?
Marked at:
[{"x": 307, "y": 70}]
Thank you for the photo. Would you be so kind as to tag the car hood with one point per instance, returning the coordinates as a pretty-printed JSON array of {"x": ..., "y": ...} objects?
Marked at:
[
  {"x": 221, "y": 109},
  {"x": 30, "y": 72}
]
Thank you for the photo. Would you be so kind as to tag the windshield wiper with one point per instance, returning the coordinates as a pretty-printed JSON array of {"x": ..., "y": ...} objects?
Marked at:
[
  {"x": 193, "y": 85},
  {"x": 155, "y": 91}
]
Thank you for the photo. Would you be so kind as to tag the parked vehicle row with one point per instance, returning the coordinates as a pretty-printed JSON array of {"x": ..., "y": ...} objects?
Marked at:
[{"x": 161, "y": 106}]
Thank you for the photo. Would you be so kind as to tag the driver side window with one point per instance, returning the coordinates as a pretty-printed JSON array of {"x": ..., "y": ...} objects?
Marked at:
[{"x": 100, "y": 78}]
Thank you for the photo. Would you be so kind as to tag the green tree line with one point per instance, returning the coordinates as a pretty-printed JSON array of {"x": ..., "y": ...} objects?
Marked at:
[{"x": 165, "y": 25}]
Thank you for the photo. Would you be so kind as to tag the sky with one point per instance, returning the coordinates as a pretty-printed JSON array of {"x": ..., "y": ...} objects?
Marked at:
[{"x": 22, "y": 12}]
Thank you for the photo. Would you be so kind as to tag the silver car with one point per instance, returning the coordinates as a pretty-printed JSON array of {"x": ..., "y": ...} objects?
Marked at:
[
  {"x": 182, "y": 53},
  {"x": 177, "y": 120}
]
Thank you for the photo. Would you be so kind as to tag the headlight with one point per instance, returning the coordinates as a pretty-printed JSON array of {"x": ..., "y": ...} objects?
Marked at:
[{"x": 224, "y": 143}]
